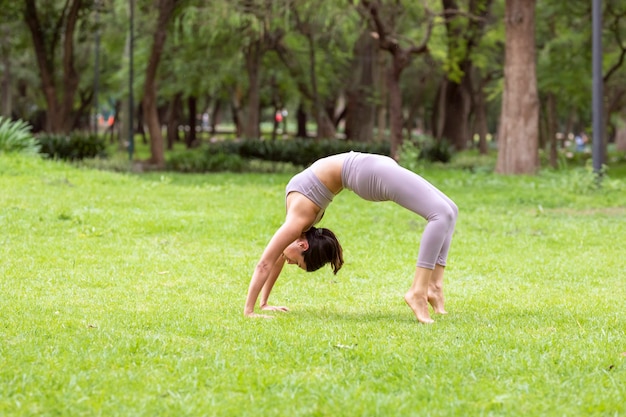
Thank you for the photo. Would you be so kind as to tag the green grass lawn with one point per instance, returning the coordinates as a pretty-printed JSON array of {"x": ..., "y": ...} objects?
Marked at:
[{"x": 122, "y": 295}]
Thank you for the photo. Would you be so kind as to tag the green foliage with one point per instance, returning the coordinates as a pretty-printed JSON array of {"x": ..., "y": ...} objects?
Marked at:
[
  {"x": 409, "y": 155},
  {"x": 428, "y": 149},
  {"x": 209, "y": 160},
  {"x": 72, "y": 147},
  {"x": 303, "y": 152},
  {"x": 584, "y": 180},
  {"x": 473, "y": 161},
  {"x": 436, "y": 150},
  {"x": 16, "y": 137},
  {"x": 234, "y": 155},
  {"x": 299, "y": 152}
]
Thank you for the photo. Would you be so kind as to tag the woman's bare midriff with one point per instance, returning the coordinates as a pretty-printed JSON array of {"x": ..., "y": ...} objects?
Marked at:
[{"x": 328, "y": 170}]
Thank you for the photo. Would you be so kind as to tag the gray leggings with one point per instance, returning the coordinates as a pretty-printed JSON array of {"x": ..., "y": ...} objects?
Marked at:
[{"x": 380, "y": 178}]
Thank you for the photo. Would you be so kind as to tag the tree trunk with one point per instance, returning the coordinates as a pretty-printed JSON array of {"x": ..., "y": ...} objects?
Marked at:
[
  {"x": 251, "y": 128},
  {"x": 325, "y": 126},
  {"x": 395, "y": 102},
  {"x": 620, "y": 135},
  {"x": 456, "y": 101},
  {"x": 215, "y": 116},
  {"x": 173, "y": 120},
  {"x": 5, "y": 85},
  {"x": 381, "y": 113},
  {"x": 191, "y": 137},
  {"x": 552, "y": 126},
  {"x": 518, "y": 133},
  {"x": 59, "y": 112},
  {"x": 151, "y": 116},
  {"x": 439, "y": 112},
  {"x": 360, "y": 107},
  {"x": 480, "y": 120},
  {"x": 301, "y": 122}
]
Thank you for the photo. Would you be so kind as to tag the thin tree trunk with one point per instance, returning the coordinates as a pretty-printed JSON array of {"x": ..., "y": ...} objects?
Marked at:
[
  {"x": 251, "y": 128},
  {"x": 518, "y": 134},
  {"x": 215, "y": 115},
  {"x": 359, "y": 104},
  {"x": 191, "y": 137},
  {"x": 439, "y": 115},
  {"x": 301, "y": 121},
  {"x": 325, "y": 126},
  {"x": 5, "y": 85},
  {"x": 173, "y": 120},
  {"x": 157, "y": 151},
  {"x": 70, "y": 76},
  {"x": 480, "y": 120},
  {"x": 45, "y": 40},
  {"x": 456, "y": 114},
  {"x": 551, "y": 128},
  {"x": 395, "y": 105},
  {"x": 620, "y": 135},
  {"x": 381, "y": 117}
]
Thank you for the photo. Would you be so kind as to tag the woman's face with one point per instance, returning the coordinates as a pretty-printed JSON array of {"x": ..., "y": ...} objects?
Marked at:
[{"x": 293, "y": 252}]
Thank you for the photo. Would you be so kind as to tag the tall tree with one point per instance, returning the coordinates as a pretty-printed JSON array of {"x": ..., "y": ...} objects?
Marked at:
[
  {"x": 361, "y": 93},
  {"x": 464, "y": 32},
  {"x": 260, "y": 27},
  {"x": 518, "y": 133},
  {"x": 166, "y": 10},
  {"x": 383, "y": 23},
  {"x": 313, "y": 52},
  {"x": 49, "y": 30}
]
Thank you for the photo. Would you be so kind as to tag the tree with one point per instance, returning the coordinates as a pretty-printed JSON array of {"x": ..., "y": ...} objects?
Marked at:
[
  {"x": 464, "y": 33},
  {"x": 361, "y": 92},
  {"x": 564, "y": 80},
  {"x": 613, "y": 79},
  {"x": 260, "y": 24},
  {"x": 383, "y": 23},
  {"x": 166, "y": 10},
  {"x": 313, "y": 52},
  {"x": 518, "y": 133},
  {"x": 49, "y": 30},
  {"x": 8, "y": 26}
]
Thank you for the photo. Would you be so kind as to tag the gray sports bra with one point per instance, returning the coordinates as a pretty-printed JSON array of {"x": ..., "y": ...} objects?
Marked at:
[{"x": 307, "y": 184}]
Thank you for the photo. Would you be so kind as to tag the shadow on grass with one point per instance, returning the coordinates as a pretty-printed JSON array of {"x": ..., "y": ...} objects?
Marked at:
[{"x": 368, "y": 316}]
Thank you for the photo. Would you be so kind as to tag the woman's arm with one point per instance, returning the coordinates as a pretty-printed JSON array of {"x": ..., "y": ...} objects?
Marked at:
[
  {"x": 269, "y": 284},
  {"x": 301, "y": 213},
  {"x": 284, "y": 236}
]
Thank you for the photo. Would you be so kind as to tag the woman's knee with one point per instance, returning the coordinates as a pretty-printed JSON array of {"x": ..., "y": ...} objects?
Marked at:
[
  {"x": 447, "y": 214},
  {"x": 455, "y": 210}
]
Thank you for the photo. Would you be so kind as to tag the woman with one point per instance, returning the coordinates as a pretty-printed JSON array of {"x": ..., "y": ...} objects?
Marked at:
[{"x": 373, "y": 178}]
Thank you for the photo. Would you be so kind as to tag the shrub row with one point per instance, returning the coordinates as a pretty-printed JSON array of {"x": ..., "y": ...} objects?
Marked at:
[
  {"x": 231, "y": 155},
  {"x": 73, "y": 147},
  {"x": 303, "y": 152},
  {"x": 195, "y": 160}
]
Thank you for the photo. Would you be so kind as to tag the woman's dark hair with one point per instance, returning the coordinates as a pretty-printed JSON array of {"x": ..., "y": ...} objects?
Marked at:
[{"x": 323, "y": 248}]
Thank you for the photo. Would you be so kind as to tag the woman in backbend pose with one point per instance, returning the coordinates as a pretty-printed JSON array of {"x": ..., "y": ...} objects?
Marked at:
[{"x": 373, "y": 178}]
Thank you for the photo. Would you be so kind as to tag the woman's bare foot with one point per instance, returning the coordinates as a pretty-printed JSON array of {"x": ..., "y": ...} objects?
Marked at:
[
  {"x": 435, "y": 299},
  {"x": 419, "y": 305}
]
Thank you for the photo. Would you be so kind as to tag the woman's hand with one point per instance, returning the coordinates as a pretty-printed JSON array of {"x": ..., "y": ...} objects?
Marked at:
[{"x": 267, "y": 307}]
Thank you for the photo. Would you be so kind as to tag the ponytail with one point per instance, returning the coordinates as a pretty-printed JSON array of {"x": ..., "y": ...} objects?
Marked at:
[{"x": 323, "y": 248}]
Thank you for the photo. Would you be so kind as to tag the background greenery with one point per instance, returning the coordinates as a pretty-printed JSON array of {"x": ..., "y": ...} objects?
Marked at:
[
  {"x": 122, "y": 294},
  {"x": 204, "y": 60}
]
